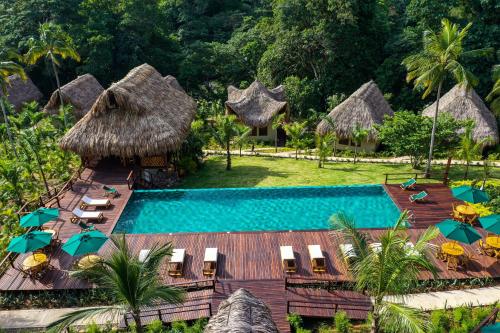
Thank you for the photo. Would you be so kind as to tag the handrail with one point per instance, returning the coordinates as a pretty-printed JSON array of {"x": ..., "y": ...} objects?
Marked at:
[
  {"x": 334, "y": 305},
  {"x": 130, "y": 179},
  {"x": 490, "y": 319},
  {"x": 161, "y": 311},
  {"x": 415, "y": 175},
  {"x": 196, "y": 284}
]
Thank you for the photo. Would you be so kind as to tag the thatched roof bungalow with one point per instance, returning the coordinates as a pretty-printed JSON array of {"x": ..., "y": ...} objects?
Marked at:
[
  {"x": 256, "y": 106},
  {"x": 137, "y": 117},
  {"x": 172, "y": 81},
  {"x": 463, "y": 104},
  {"x": 20, "y": 92},
  {"x": 366, "y": 107},
  {"x": 242, "y": 312},
  {"x": 82, "y": 92}
]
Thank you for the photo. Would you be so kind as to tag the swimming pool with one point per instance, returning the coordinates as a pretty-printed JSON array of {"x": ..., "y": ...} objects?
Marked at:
[{"x": 254, "y": 209}]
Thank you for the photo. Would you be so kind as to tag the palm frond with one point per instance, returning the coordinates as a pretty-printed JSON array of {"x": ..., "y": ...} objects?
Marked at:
[
  {"x": 398, "y": 318},
  {"x": 82, "y": 315}
]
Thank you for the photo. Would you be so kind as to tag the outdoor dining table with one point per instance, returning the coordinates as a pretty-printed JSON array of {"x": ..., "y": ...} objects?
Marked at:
[
  {"x": 34, "y": 261},
  {"x": 452, "y": 249},
  {"x": 88, "y": 261},
  {"x": 493, "y": 241}
]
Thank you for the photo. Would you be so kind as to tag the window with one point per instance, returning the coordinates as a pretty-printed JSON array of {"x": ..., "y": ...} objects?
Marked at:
[
  {"x": 263, "y": 131},
  {"x": 254, "y": 131},
  {"x": 344, "y": 142}
]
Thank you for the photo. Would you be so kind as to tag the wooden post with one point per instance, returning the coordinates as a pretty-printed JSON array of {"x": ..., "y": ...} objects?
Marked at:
[
  {"x": 159, "y": 315},
  {"x": 386, "y": 178},
  {"x": 447, "y": 171},
  {"x": 126, "y": 320},
  {"x": 210, "y": 309}
]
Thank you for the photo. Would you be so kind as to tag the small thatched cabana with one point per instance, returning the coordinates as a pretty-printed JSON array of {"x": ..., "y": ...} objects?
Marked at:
[
  {"x": 169, "y": 79},
  {"x": 364, "y": 108},
  {"x": 463, "y": 104},
  {"x": 140, "y": 117},
  {"x": 256, "y": 106},
  {"x": 242, "y": 312},
  {"x": 20, "y": 92},
  {"x": 81, "y": 93}
]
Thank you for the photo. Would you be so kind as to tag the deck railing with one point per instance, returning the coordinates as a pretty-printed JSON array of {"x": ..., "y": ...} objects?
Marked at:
[
  {"x": 404, "y": 176},
  {"x": 491, "y": 319},
  {"x": 196, "y": 285},
  {"x": 333, "y": 305}
]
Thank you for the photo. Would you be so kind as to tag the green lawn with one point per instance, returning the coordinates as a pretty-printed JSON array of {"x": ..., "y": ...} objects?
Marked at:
[{"x": 267, "y": 171}]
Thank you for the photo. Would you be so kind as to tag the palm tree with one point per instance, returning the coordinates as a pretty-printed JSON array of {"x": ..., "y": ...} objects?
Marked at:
[
  {"x": 469, "y": 149},
  {"x": 224, "y": 130},
  {"x": 440, "y": 58},
  {"x": 52, "y": 42},
  {"x": 32, "y": 140},
  {"x": 295, "y": 131},
  {"x": 241, "y": 137},
  {"x": 358, "y": 136},
  {"x": 133, "y": 283},
  {"x": 393, "y": 270},
  {"x": 9, "y": 67},
  {"x": 494, "y": 95},
  {"x": 278, "y": 121},
  {"x": 11, "y": 180},
  {"x": 324, "y": 145}
]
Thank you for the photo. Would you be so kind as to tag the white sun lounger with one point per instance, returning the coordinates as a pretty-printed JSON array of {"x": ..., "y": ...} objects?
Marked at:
[
  {"x": 143, "y": 254},
  {"x": 410, "y": 249},
  {"x": 375, "y": 247},
  {"x": 317, "y": 258},
  {"x": 86, "y": 215},
  {"x": 348, "y": 252},
  {"x": 176, "y": 262},
  {"x": 88, "y": 201},
  {"x": 288, "y": 259},
  {"x": 210, "y": 261}
]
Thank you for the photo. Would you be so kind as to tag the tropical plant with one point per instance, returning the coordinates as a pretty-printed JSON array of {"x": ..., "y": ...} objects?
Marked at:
[
  {"x": 494, "y": 95},
  {"x": 241, "y": 137},
  {"x": 133, "y": 283},
  {"x": 11, "y": 180},
  {"x": 358, "y": 136},
  {"x": 32, "y": 143},
  {"x": 223, "y": 131},
  {"x": 393, "y": 270},
  {"x": 469, "y": 149},
  {"x": 441, "y": 57},
  {"x": 324, "y": 146},
  {"x": 278, "y": 122},
  {"x": 342, "y": 323},
  {"x": 52, "y": 42},
  {"x": 295, "y": 132}
]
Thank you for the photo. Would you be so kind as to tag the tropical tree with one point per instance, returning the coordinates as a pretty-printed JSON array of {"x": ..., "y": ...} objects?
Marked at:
[
  {"x": 241, "y": 137},
  {"x": 469, "y": 148},
  {"x": 278, "y": 121},
  {"x": 295, "y": 132},
  {"x": 52, "y": 42},
  {"x": 11, "y": 181},
  {"x": 132, "y": 283},
  {"x": 494, "y": 95},
  {"x": 359, "y": 135},
  {"x": 224, "y": 130},
  {"x": 440, "y": 58},
  {"x": 32, "y": 143},
  {"x": 9, "y": 67},
  {"x": 324, "y": 145},
  {"x": 391, "y": 270}
]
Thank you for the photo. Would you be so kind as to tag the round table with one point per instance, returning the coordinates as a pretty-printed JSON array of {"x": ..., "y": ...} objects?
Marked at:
[
  {"x": 465, "y": 210},
  {"x": 452, "y": 249},
  {"x": 493, "y": 241},
  {"x": 34, "y": 261},
  {"x": 88, "y": 261}
]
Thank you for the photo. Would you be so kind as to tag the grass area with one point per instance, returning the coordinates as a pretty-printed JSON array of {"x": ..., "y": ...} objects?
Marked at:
[{"x": 267, "y": 171}]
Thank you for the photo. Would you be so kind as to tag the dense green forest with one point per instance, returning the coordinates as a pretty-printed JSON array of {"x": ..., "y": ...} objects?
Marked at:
[{"x": 321, "y": 50}]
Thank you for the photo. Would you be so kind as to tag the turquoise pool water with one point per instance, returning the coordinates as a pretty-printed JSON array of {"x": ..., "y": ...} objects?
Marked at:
[{"x": 254, "y": 209}]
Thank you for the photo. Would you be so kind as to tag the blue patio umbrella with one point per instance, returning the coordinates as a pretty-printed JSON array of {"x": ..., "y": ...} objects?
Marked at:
[
  {"x": 470, "y": 194},
  {"x": 491, "y": 223},
  {"x": 39, "y": 217},
  {"x": 85, "y": 243},
  {"x": 30, "y": 241},
  {"x": 458, "y": 231}
]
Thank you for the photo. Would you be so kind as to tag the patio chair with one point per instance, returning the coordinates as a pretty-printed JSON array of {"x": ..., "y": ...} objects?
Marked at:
[
  {"x": 89, "y": 202},
  {"x": 108, "y": 190},
  {"x": 288, "y": 259},
  {"x": 86, "y": 226},
  {"x": 410, "y": 249},
  {"x": 452, "y": 263},
  {"x": 485, "y": 249},
  {"x": 348, "y": 252},
  {"x": 210, "y": 261},
  {"x": 317, "y": 259},
  {"x": 466, "y": 259},
  {"x": 419, "y": 197},
  {"x": 143, "y": 255},
  {"x": 79, "y": 215},
  {"x": 409, "y": 184},
  {"x": 375, "y": 247},
  {"x": 176, "y": 263}
]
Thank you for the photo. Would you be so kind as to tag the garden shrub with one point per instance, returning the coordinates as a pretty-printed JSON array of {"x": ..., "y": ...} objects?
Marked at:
[
  {"x": 342, "y": 323},
  {"x": 294, "y": 319},
  {"x": 156, "y": 326}
]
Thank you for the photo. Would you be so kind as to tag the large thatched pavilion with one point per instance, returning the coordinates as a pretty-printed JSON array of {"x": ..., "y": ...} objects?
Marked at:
[
  {"x": 139, "y": 119},
  {"x": 463, "y": 104},
  {"x": 20, "y": 92},
  {"x": 81, "y": 93},
  {"x": 365, "y": 108},
  {"x": 256, "y": 107}
]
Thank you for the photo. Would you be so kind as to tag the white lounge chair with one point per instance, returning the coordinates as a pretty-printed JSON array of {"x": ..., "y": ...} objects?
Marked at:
[
  {"x": 88, "y": 202},
  {"x": 348, "y": 252},
  {"x": 317, "y": 258},
  {"x": 210, "y": 261},
  {"x": 288, "y": 259},
  {"x": 143, "y": 255},
  {"x": 176, "y": 262},
  {"x": 79, "y": 215},
  {"x": 375, "y": 247},
  {"x": 410, "y": 249}
]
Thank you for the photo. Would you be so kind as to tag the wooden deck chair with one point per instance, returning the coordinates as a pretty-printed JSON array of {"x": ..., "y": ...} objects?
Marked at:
[
  {"x": 89, "y": 202},
  {"x": 288, "y": 259},
  {"x": 348, "y": 253},
  {"x": 419, "y": 197},
  {"x": 317, "y": 258},
  {"x": 409, "y": 184},
  {"x": 176, "y": 263},
  {"x": 452, "y": 263},
  {"x": 79, "y": 215},
  {"x": 210, "y": 261},
  {"x": 485, "y": 249}
]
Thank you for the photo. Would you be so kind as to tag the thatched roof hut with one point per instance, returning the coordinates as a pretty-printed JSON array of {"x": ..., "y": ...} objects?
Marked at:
[
  {"x": 463, "y": 104},
  {"x": 256, "y": 105},
  {"x": 138, "y": 116},
  {"x": 20, "y": 92},
  {"x": 365, "y": 107},
  {"x": 242, "y": 312},
  {"x": 169, "y": 79},
  {"x": 82, "y": 92}
]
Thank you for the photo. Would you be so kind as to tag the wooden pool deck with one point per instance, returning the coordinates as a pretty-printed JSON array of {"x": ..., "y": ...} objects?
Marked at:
[{"x": 246, "y": 259}]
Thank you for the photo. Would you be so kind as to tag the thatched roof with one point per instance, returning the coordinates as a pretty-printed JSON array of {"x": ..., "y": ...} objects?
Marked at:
[
  {"x": 242, "y": 312},
  {"x": 82, "y": 92},
  {"x": 463, "y": 105},
  {"x": 256, "y": 105},
  {"x": 365, "y": 107},
  {"x": 169, "y": 79},
  {"x": 20, "y": 92},
  {"x": 137, "y": 116}
]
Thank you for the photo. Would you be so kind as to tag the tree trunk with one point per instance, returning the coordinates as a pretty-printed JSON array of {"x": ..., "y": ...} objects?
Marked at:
[
  {"x": 375, "y": 324},
  {"x": 39, "y": 163},
  {"x": 447, "y": 170},
  {"x": 466, "y": 170},
  {"x": 138, "y": 321},
  {"x": 334, "y": 147},
  {"x": 58, "y": 89},
  {"x": 7, "y": 127},
  {"x": 433, "y": 133},
  {"x": 296, "y": 153},
  {"x": 240, "y": 150},
  {"x": 276, "y": 141},
  {"x": 355, "y": 152},
  {"x": 228, "y": 155}
]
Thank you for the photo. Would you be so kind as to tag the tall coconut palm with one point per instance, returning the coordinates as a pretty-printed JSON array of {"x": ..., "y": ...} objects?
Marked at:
[
  {"x": 9, "y": 67},
  {"x": 224, "y": 130},
  {"x": 51, "y": 43},
  {"x": 295, "y": 132},
  {"x": 469, "y": 148},
  {"x": 324, "y": 146},
  {"x": 494, "y": 95},
  {"x": 359, "y": 135},
  {"x": 133, "y": 283},
  {"x": 391, "y": 271},
  {"x": 441, "y": 58},
  {"x": 33, "y": 144}
]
